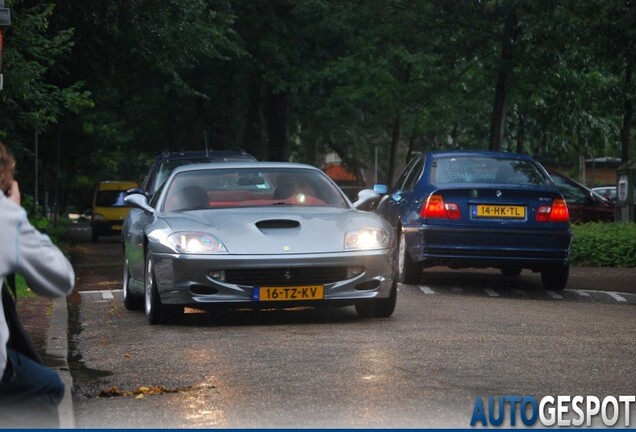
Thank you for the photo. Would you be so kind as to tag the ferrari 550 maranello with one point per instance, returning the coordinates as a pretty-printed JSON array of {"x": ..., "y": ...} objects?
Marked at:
[{"x": 256, "y": 235}]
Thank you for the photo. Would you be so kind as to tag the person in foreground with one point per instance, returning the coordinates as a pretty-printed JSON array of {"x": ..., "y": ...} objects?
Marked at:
[{"x": 29, "y": 392}]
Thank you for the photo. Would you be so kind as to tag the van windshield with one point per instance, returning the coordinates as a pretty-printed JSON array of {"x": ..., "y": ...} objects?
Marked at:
[{"x": 110, "y": 198}]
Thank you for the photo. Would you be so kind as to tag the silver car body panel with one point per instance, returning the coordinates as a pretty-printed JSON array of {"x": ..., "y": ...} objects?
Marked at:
[{"x": 309, "y": 238}]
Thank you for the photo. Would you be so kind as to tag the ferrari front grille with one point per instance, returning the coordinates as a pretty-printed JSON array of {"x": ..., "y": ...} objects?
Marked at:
[{"x": 286, "y": 276}]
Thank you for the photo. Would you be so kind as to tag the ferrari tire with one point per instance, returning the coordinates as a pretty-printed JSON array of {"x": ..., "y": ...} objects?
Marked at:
[
  {"x": 131, "y": 301},
  {"x": 379, "y": 308},
  {"x": 152, "y": 302},
  {"x": 157, "y": 312}
]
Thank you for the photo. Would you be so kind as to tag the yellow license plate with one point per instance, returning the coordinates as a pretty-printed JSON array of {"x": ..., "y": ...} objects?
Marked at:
[
  {"x": 501, "y": 211},
  {"x": 308, "y": 292}
]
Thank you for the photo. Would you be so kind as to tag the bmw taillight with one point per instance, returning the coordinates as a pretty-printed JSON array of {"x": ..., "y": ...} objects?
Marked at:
[
  {"x": 557, "y": 212},
  {"x": 436, "y": 208}
]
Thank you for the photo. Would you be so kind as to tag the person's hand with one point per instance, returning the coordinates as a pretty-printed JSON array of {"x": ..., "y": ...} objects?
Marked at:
[{"x": 14, "y": 192}]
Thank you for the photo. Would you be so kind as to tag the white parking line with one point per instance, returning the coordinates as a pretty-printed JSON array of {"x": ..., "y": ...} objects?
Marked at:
[
  {"x": 554, "y": 294},
  {"x": 105, "y": 294},
  {"x": 426, "y": 290},
  {"x": 491, "y": 292},
  {"x": 582, "y": 293},
  {"x": 616, "y": 296}
]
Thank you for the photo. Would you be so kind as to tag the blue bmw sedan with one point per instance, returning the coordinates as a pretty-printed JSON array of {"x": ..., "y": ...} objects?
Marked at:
[{"x": 478, "y": 209}]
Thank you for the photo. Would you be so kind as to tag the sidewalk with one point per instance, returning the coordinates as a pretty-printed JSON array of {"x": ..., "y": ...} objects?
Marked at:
[
  {"x": 57, "y": 358},
  {"x": 46, "y": 322},
  {"x": 56, "y": 330}
]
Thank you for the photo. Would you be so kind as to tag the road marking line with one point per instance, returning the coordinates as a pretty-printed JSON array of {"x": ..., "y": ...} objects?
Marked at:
[
  {"x": 426, "y": 290},
  {"x": 616, "y": 297},
  {"x": 554, "y": 294},
  {"x": 105, "y": 294},
  {"x": 491, "y": 292},
  {"x": 582, "y": 293}
]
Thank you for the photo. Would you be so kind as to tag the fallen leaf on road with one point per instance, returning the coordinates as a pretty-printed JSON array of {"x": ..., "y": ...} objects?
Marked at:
[{"x": 142, "y": 391}]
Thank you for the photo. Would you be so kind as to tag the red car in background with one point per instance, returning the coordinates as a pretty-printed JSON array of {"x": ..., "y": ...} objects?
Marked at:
[{"x": 584, "y": 204}]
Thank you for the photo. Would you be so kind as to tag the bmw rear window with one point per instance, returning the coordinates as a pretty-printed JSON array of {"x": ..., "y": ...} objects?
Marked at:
[{"x": 486, "y": 170}]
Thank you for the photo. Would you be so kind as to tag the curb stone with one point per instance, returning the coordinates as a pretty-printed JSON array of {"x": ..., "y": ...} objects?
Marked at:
[{"x": 57, "y": 358}]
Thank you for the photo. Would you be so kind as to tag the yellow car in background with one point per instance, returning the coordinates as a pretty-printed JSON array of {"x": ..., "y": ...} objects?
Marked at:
[{"x": 109, "y": 210}]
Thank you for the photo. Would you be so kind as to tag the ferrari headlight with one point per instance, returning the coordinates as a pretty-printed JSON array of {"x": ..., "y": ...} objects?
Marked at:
[
  {"x": 367, "y": 238},
  {"x": 196, "y": 242}
]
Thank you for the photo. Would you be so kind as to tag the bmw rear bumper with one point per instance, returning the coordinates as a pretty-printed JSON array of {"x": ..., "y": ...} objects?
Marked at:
[{"x": 462, "y": 247}]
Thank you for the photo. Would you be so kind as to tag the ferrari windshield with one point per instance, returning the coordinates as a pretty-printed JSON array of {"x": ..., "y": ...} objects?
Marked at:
[{"x": 248, "y": 187}]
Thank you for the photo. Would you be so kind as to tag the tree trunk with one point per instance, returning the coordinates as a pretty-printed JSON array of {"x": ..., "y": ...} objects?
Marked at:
[
  {"x": 276, "y": 117},
  {"x": 395, "y": 139},
  {"x": 411, "y": 145},
  {"x": 521, "y": 133},
  {"x": 501, "y": 90},
  {"x": 252, "y": 140},
  {"x": 627, "y": 115},
  {"x": 454, "y": 134}
]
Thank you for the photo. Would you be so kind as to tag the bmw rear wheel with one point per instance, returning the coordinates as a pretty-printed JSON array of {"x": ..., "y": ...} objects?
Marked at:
[
  {"x": 511, "y": 271},
  {"x": 408, "y": 271},
  {"x": 555, "y": 278}
]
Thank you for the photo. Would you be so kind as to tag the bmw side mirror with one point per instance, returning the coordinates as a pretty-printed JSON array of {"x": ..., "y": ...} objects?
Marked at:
[{"x": 382, "y": 189}]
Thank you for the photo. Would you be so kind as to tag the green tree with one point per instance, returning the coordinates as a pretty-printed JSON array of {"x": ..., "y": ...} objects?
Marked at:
[{"x": 32, "y": 100}]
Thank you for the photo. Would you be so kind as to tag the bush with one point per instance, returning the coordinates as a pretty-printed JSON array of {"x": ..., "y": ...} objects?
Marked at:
[
  {"x": 21, "y": 288},
  {"x": 56, "y": 230},
  {"x": 604, "y": 244}
]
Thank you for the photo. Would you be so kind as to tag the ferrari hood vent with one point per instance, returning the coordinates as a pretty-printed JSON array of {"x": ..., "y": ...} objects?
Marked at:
[{"x": 277, "y": 223}]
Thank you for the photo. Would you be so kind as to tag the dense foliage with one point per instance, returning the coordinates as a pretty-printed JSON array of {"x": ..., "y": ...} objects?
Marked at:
[
  {"x": 604, "y": 245},
  {"x": 93, "y": 89}
]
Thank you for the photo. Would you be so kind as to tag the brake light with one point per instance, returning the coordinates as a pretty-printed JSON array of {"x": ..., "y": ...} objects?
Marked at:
[
  {"x": 557, "y": 212},
  {"x": 436, "y": 208}
]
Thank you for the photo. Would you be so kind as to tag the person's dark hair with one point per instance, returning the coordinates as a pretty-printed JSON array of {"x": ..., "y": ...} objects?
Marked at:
[{"x": 7, "y": 168}]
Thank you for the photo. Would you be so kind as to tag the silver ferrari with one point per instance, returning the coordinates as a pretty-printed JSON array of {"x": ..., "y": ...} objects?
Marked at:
[{"x": 255, "y": 235}]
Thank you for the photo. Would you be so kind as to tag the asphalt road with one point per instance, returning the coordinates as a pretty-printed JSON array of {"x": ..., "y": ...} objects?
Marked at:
[{"x": 455, "y": 336}]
